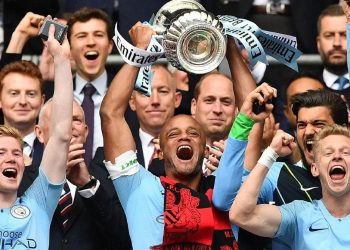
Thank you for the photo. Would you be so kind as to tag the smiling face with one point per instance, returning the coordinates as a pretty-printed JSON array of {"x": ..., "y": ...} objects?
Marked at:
[
  {"x": 182, "y": 143},
  {"x": 152, "y": 112},
  {"x": 90, "y": 47},
  {"x": 332, "y": 162},
  {"x": 331, "y": 43},
  {"x": 21, "y": 100},
  {"x": 214, "y": 107},
  {"x": 11, "y": 165},
  {"x": 309, "y": 122}
]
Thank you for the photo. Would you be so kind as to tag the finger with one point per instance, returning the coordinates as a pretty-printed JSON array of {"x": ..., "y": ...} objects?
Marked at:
[
  {"x": 75, "y": 146},
  {"x": 220, "y": 144},
  {"x": 210, "y": 166},
  {"x": 74, "y": 162},
  {"x": 215, "y": 152}
]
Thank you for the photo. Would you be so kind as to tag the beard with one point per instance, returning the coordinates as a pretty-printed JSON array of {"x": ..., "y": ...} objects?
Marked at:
[{"x": 337, "y": 68}]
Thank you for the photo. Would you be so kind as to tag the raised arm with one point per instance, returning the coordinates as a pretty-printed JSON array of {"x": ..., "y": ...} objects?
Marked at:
[
  {"x": 116, "y": 132},
  {"x": 27, "y": 28},
  {"x": 243, "y": 81},
  {"x": 262, "y": 220},
  {"x": 55, "y": 154},
  {"x": 230, "y": 171}
]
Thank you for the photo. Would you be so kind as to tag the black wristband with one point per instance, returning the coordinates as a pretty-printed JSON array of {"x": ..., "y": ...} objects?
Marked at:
[{"x": 92, "y": 183}]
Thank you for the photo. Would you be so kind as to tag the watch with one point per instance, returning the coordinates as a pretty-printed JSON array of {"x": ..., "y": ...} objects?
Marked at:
[{"x": 90, "y": 184}]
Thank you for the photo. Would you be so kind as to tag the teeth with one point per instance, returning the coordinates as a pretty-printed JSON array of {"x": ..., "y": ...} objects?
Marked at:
[
  {"x": 337, "y": 167},
  {"x": 10, "y": 172},
  {"x": 185, "y": 146},
  {"x": 91, "y": 53},
  {"x": 310, "y": 142}
]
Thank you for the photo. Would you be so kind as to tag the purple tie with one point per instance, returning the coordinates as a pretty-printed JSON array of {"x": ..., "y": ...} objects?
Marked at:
[{"x": 88, "y": 107}]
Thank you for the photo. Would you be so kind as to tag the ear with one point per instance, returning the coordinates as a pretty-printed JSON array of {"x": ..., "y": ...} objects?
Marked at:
[
  {"x": 132, "y": 102},
  {"x": 160, "y": 155},
  {"x": 285, "y": 110},
  {"x": 42, "y": 99},
  {"x": 39, "y": 133},
  {"x": 178, "y": 98},
  {"x": 87, "y": 131},
  {"x": 314, "y": 170},
  {"x": 193, "y": 107},
  {"x": 110, "y": 47},
  {"x": 318, "y": 43},
  {"x": 206, "y": 152}
]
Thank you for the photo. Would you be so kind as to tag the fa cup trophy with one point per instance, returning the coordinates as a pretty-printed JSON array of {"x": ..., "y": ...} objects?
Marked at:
[{"x": 192, "y": 38}]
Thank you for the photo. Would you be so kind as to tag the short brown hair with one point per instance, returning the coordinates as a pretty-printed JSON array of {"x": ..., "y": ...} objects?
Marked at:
[
  {"x": 86, "y": 14},
  {"x": 334, "y": 129},
  {"x": 197, "y": 88},
  {"x": 26, "y": 68},
  {"x": 332, "y": 10},
  {"x": 11, "y": 132}
]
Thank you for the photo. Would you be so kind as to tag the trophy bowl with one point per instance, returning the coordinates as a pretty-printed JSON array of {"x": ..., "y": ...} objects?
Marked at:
[{"x": 194, "y": 42}]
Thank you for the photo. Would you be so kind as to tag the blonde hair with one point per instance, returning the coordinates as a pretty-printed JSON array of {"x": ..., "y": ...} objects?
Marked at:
[
  {"x": 11, "y": 132},
  {"x": 334, "y": 129}
]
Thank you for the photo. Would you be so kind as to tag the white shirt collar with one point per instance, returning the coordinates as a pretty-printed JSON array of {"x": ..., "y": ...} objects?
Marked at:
[
  {"x": 145, "y": 138},
  {"x": 29, "y": 143},
  {"x": 329, "y": 78},
  {"x": 99, "y": 83}
]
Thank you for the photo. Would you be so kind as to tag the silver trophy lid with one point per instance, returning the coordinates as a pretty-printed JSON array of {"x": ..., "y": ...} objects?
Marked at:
[{"x": 162, "y": 19}]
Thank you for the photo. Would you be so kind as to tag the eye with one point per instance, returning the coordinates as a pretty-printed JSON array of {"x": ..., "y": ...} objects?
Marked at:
[
  {"x": 319, "y": 124},
  {"x": 14, "y": 93},
  {"x": 172, "y": 134},
  {"x": 193, "y": 133},
  {"x": 31, "y": 94},
  {"x": 301, "y": 125},
  {"x": 208, "y": 100}
]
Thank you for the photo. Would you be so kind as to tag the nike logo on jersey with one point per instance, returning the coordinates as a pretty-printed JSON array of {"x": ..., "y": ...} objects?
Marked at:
[
  {"x": 311, "y": 229},
  {"x": 307, "y": 189}
]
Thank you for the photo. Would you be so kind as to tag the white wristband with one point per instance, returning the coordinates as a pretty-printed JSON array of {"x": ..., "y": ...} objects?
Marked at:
[{"x": 268, "y": 157}]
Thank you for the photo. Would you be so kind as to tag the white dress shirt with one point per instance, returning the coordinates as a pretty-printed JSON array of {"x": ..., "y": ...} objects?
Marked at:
[
  {"x": 29, "y": 143},
  {"x": 147, "y": 146},
  {"x": 330, "y": 78},
  {"x": 100, "y": 85}
]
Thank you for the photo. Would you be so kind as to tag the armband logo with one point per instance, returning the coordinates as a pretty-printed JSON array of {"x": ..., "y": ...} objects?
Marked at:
[
  {"x": 20, "y": 211},
  {"x": 128, "y": 164}
]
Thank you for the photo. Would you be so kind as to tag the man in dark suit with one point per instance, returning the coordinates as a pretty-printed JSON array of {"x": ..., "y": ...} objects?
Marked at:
[
  {"x": 332, "y": 47},
  {"x": 96, "y": 219},
  {"x": 90, "y": 36}
]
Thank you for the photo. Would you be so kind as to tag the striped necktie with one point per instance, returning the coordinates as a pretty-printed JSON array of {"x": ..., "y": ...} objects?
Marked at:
[{"x": 65, "y": 205}]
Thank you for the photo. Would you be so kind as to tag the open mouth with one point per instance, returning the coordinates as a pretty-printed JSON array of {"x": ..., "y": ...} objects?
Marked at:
[
  {"x": 184, "y": 152},
  {"x": 308, "y": 145},
  {"x": 91, "y": 55},
  {"x": 10, "y": 173},
  {"x": 337, "y": 172}
]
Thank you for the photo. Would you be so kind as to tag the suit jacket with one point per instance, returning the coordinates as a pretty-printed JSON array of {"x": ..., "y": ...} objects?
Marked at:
[
  {"x": 98, "y": 222},
  {"x": 305, "y": 28}
]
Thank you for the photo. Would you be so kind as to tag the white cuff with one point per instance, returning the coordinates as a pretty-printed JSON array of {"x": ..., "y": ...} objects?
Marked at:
[
  {"x": 268, "y": 157},
  {"x": 88, "y": 193},
  {"x": 125, "y": 164}
]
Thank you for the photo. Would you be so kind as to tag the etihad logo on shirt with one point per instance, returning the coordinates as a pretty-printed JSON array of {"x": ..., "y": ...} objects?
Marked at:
[{"x": 17, "y": 244}]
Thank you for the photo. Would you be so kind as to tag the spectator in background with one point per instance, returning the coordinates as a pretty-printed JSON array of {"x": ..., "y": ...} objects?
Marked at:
[
  {"x": 21, "y": 98},
  {"x": 332, "y": 47},
  {"x": 90, "y": 34}
]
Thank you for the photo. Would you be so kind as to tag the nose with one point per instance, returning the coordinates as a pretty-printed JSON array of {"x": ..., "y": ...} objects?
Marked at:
[
  {"x": 10, "y": 158},
  {"x": 90, "y": 40},
  {"x": 22, "y": 99},
  {"x": 310, "y": 129},
  {"x": 154, "y": 98},
  {"x": 217, "y": 109},
  {"x": 337, "y": 40}
]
